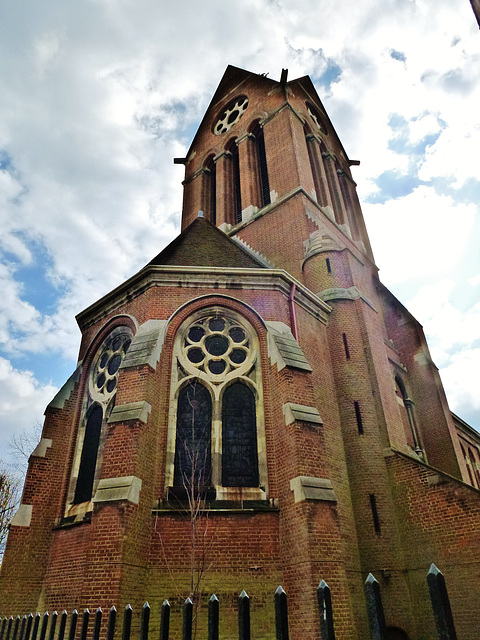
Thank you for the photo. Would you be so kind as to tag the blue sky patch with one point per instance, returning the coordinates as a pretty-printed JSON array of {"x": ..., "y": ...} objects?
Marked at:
[
  {"x": 393, "y": 184},
  {"x": 398, "y": 55}
]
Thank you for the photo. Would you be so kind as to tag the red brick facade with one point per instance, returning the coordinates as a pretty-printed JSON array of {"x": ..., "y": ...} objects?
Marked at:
[{"x": 360, "y": 462}]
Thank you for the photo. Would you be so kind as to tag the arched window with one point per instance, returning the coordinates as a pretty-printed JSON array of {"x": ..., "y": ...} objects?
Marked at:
[
  {"x": 88, "y": 460},
  {"x": 216, "y": 421},
  {"x": 257, "y": 132},
  {"x": 192, "y": 446},
  {"x": 235, "y": 181},
  {"x": 98, "y": 402},
  {"x": 211, "y": 189},
  {"x": 239, "y": 437}
]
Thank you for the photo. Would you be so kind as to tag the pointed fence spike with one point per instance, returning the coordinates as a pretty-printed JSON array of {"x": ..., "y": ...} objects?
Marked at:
[
  {"x": 281, "y": 614},
  {"x": 243, "y": 616},
  {"x": 53, "y": 625},
  {"x": 2, "y": 628},
  {"x": 376, "y": 616},
  {"x": 9, "y": 627},
  {"x": 165, "y": 620},
  {"x": 187, "y": 619},
  {"x": 23, "y": 627},
  {"x": 43, "y": 630},
  {"x": 213, "y": 616},
  {"x": 15, "y": 627},
  {"x": 28, "y": 630},
  {"x": 73, "y": 625},
  {"x": 36, "y": 624},
  {"x": 63, "y": 625},
  {"x": 441, "y": 604},
  {"x": 324, "y": 599},
  {"x": 127, "y": 623},
  {"x": 85, "y": 620},
  {"x": 97, "y": 624},
  {"x": 145, "y": 622},
  {"x": 112, "y": 619}
]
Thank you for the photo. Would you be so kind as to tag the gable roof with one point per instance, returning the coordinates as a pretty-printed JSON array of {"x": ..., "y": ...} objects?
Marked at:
[{"x": 202, "y": 244}]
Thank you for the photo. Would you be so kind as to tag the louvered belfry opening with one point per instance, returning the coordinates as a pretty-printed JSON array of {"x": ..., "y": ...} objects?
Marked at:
[
  {"x": 237, "y": 197},
  {"x": 262, "y": 164},
  {"x": 211, "y": 168}
]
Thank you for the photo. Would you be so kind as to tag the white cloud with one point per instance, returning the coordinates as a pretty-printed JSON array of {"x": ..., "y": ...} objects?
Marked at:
[
  {"x": 411, "y": 235},
  {"x": 22, "y": 402}
]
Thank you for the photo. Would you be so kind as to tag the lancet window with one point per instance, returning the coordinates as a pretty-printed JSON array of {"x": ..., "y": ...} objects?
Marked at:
[
  {"x": 216, "y": 419},
  {"x": 99, "y": 400}
]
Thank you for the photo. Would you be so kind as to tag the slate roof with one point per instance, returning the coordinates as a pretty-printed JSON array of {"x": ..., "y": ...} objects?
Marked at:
[{"x": 202, "y": 244}]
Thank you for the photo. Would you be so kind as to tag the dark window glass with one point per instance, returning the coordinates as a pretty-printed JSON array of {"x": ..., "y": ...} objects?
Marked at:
[
  {"x": 239, "y": 438},
  {"x": 238, "y": 356},
  {"x": 192, "y": 446},
  {"x": 196, "y": 334},
  {"x": 195, "y": 355},
  {"x": 217, "y": 366},
  {"x": 217, "y": 324},
  {"x": 216, "y": 345},
  {"x": 88, "y": 460},
  {"x": 237, "y": 334}
]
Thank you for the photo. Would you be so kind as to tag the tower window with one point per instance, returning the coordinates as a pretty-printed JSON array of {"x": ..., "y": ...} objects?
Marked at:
[
  {"x": 235, "y": 182},
  {"x": 211, "y": 190},
  {"x": 329, "y": 266},
  {"x": 216, "y": 381},
  {"x": 358, "y": 416},
  {"x": 262, "y": 165},
  {"x": 376, "y": 519},
  {"x": 345, "y": 346}
]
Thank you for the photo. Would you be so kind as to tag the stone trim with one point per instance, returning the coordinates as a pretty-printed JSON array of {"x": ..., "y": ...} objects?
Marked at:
[
  {"x": 283, "y": 349},
  {"x": 308, "y": 488},
  {"x": 40, "y": 450},
  {"x": 246, "y": 247},
  {"x": 63, "y": 394},
  {"x": 146, "y": 345},
  {"x": 23, "y": 516},
  {"x": 220, "y": 278},
  {"x": 131, "y": 411},
  {"x": 337, "y": 293},
  {"x": 117, "y": 489},
  {"x": 301, "y": 413}
]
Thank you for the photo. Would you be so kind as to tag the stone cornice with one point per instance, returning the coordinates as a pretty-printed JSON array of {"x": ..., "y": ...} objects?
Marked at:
[{"x": 224, "y": 281}]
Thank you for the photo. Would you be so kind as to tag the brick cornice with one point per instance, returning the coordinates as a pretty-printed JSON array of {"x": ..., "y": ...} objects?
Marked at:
[{"x": 218, "y": 278}]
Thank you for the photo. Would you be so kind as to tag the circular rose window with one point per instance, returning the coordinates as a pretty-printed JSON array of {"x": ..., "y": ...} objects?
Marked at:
[
  {"x": 104, "y": 376},
  {"x": 230, "y": 115},
  {"x": 216, "y": 345}
]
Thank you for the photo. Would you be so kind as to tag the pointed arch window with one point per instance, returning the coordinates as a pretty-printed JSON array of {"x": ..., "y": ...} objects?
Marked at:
[
  {"x": 257, "y": 131},
  {"x": 211, "y": 189},
  {"x": 216, "y": 394},
  {"x": 98, "y": 402},
  {"x": 235, "y": 181}
]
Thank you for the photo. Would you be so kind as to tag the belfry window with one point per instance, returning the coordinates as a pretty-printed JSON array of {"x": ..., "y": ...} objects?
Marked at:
[
  {"x": 216, "y": 400},
  {"x": 257, "y": 131},
  {"x": 98, "y": 403}
]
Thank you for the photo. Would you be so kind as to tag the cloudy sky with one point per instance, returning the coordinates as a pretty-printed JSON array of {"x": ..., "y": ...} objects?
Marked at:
[{"x": 97, "y": 98}]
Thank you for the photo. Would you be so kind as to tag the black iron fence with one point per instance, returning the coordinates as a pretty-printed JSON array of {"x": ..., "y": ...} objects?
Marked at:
[{"x": 38, "y": 627}]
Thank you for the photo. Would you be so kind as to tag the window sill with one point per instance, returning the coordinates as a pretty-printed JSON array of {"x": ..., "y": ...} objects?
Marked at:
[{"x": 218, "y": 506}]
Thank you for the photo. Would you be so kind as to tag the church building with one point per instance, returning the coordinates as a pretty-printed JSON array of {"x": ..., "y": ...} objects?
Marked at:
[{"x": 254, "y": 408}]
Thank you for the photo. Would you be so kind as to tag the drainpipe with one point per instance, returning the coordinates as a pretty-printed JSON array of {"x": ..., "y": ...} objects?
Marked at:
[{"x": 293, "y": 317}]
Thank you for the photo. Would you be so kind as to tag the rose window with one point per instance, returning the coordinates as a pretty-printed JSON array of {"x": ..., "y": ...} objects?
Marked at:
[
  {"x": 230, "y": 115},
  {"x": 103, "y": 380},
  {"x": 216, "y": 345}
]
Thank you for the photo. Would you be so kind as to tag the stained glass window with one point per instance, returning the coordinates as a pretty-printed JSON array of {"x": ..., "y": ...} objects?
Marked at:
[
  {"x": 192, "y": 446},
  {"x": 88, "y": 461},
  {"x": 239, "y": 437}
]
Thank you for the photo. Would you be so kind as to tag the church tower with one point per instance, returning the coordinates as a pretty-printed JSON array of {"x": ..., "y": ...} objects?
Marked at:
[{"x": 253, "y": 407}]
